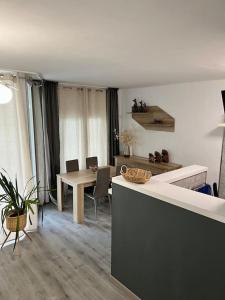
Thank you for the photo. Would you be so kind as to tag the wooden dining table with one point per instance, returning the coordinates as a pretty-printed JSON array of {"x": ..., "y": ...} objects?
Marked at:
[{"x": 78, "y": 180}]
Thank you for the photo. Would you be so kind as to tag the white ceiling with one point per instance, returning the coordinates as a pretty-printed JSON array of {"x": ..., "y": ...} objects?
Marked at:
[{"x": 124, "y": 43}]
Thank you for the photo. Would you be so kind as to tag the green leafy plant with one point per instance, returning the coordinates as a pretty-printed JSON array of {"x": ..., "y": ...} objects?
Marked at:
[{"x": 14, "y": 204}]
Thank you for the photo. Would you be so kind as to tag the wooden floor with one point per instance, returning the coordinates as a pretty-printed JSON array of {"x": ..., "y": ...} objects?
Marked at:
[{"x": 63, "y": 261}]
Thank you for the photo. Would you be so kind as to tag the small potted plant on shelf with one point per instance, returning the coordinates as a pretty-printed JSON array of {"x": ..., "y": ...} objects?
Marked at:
[{"x": 16, "y": 206}]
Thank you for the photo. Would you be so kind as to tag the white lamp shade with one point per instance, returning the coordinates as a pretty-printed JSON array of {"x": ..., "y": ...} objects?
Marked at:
[
  {"x": 221, "y": 125},
  {"x": 5, "y": 94}
]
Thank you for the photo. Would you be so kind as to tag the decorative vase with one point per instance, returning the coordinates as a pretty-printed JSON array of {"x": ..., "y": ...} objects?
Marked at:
[
  {"x": 126, "y": 151},
  {"x": 131, "y": 150}
]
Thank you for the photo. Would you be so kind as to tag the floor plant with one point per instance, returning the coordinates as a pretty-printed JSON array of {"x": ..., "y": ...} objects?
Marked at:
[{"x": 16, "y": 207}]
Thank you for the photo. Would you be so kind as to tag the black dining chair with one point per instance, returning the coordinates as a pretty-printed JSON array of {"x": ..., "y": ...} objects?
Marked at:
[
  {"x": 118, "y": 168},
  {"x": 101, "y": 189},
  {"x": 72, "y": 165},
  {"x": 91, "y": 161}
]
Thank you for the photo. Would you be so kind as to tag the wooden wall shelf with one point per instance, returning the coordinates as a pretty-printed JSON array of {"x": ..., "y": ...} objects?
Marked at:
[{"x": 155, "y": 119}]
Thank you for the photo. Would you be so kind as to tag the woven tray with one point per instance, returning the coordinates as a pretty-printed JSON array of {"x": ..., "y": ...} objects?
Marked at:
[{"x": 135, "y": 175}]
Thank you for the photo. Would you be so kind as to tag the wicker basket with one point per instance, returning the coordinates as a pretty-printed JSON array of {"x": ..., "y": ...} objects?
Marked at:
[
  {"x": 135, "y": 175},
  {"x": 11, "y": 223}
]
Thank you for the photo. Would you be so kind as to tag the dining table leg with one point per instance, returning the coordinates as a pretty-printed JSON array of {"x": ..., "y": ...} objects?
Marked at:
[
  {"x": 60, "y": 193},
  {"x": 78, "y": 203}
]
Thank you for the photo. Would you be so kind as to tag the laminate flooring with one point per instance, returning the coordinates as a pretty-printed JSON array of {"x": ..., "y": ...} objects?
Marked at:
[{"x": 64, "y": 260}]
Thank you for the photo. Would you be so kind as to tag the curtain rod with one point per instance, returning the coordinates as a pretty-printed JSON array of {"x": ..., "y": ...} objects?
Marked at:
[
  {"x": 71, "y": 84},
  {"x": 39, "y": 75}
]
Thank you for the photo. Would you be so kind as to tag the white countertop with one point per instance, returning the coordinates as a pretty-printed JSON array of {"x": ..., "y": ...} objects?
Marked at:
[
  {"x": 199, "y": 203},
  {"x": 179, "y": 174}
]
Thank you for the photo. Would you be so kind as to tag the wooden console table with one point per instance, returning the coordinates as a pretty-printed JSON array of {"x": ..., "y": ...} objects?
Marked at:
[{"x": 143, "y": 163}]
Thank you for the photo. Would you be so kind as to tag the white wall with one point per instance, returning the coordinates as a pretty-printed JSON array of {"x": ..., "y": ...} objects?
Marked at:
[{"x": 197, "y": 108}]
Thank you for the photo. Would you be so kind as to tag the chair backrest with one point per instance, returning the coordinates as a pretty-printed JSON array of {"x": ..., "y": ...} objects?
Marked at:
[
  {"x": 118, "y": 168},
  {"x": 102, "y": 182},
  {"x": 72, "y": 165},
  {"x": 91, "y": 161}
]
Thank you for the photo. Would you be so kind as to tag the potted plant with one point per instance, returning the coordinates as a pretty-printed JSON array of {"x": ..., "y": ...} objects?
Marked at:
[
  {"x": 16, "y": 206},
  {"x": 127, "y": 139}
]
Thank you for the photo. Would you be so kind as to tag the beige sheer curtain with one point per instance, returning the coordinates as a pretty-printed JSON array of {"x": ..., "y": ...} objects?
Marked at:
[
  {"x": 22, "y": 128},
  {"x": 82, "y": 119},
  {"x": 14, "y": 140},
  {"x": 72, "y": 125},
  {"x": 97, "y": 125}
]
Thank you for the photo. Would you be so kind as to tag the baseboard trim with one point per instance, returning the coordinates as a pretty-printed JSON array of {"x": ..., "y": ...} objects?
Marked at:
[{"x": 128, "y": 292}]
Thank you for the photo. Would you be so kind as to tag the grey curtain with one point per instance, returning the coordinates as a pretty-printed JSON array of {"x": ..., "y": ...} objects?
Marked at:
[
  {"x": 113, "y": 123},
  {"x": 46, "y": 133},
  {"x": 41, "y": 140},
  {"x": 52, "y": 123}
]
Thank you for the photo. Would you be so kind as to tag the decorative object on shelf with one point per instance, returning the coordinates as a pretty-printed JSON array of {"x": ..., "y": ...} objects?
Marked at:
[
  {"x": 154, "y": 118},
  {"x": 127, "y": 139},
  {"x": 131, "y": 150},
  {"x": 16, "y": 207},
  {"x": 158, "y": 157},
  {"x": 145, "y": 109},
  {"x": 126, "y": 150},
  {"x": 143, "y": 163},
  {"x": 135, "y": 106},
  {"x": 151, "y": 158},
  {"x": 165, "y": 156},
  {"x": 135, "y": 175},
  {"x": 141, "y": 108}
]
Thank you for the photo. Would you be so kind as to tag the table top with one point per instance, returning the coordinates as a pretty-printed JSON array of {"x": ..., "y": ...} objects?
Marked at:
[{"x": 83, "y": 176}]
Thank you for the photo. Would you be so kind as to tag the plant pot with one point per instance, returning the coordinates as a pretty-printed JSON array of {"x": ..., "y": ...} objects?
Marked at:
[{"x": 11, "y": 222}]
